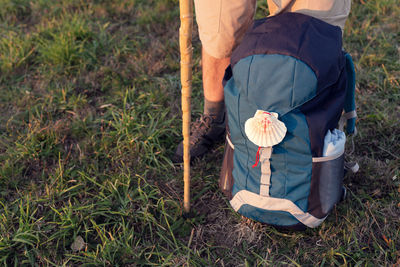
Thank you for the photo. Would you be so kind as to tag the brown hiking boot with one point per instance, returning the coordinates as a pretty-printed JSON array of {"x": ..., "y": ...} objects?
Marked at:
[{"x": 204, "y": 133}]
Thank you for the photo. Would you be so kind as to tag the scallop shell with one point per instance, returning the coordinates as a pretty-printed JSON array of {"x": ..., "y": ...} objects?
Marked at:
[{"x": 264, "y": 129}]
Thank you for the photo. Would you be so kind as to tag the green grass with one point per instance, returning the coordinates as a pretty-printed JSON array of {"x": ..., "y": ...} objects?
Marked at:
[{"x": 90, "y": 115}]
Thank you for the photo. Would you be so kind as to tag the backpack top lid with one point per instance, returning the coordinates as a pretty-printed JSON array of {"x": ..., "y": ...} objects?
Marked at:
[{"x": 311, "y": 40}]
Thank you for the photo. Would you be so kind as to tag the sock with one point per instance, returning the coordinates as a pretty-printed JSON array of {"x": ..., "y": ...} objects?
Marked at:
[{"x": 215, "y": 109}]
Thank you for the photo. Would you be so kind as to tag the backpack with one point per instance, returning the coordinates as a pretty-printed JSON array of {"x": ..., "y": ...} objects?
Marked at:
[{"x": 285, "y": 90}]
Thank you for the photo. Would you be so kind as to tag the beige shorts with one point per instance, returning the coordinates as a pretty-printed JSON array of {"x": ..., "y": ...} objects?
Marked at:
[{"x": 222, "y": 23}]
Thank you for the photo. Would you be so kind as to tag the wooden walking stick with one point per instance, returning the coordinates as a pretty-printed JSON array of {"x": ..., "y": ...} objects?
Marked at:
[{"x": 185, "y": 44}]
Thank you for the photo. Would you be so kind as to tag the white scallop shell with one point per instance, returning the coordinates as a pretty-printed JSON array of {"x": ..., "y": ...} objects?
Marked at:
[{"x": 264, "y": 129}]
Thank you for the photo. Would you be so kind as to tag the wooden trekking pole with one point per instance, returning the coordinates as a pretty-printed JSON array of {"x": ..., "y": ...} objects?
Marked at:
[{"x": 185, "y": 44}]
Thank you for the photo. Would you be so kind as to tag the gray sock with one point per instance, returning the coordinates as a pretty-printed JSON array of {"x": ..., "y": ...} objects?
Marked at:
[{"x": 215, "y": 109}]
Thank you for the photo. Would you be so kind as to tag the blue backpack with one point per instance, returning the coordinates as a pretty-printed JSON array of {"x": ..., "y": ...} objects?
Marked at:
[{"x": 285, "y": 91}]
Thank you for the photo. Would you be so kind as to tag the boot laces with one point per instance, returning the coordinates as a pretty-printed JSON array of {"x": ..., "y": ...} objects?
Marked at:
[{"x": 199, "y": 128}]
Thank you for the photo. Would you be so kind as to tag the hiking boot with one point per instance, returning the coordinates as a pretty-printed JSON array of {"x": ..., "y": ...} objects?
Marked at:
[{"x": 204, "y": 133}]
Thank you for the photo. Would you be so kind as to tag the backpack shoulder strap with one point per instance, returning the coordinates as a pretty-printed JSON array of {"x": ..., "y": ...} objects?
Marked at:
[{"x": 349, "y": 115}]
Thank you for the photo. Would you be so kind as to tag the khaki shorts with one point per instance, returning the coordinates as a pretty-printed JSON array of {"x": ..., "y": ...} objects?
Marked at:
[{"x": 223, "y": 23}]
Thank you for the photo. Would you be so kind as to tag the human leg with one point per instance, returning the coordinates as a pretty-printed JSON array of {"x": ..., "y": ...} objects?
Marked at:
[
  {"x": 334, "y": 12},
  {"x": 213, "y": 72},
  {"x": 222, "y": 24}
]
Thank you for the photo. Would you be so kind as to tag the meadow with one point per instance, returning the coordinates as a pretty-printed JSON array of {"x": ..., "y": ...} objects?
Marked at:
[{"x": 90, "y": 116}]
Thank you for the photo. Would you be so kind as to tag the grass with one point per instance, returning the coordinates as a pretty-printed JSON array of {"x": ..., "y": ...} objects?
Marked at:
[{"x": 90, "y": 115}]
